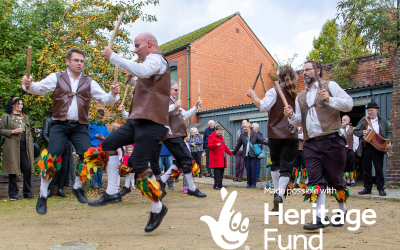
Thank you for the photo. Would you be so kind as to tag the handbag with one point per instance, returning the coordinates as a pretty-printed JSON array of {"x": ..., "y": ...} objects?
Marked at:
[
  {"x": 262, "y": 155},
  {"x": 257, "y": 150}
]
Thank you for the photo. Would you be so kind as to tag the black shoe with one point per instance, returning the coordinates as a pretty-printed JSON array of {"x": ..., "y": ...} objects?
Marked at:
[
  {"x": 382, "y": 193},
  {"x": 275, "y": 195},
  {"x": 15, "y": 197},
  {"x": 365, "y": 191},
  {"x": 197, "y": 193},
  {"x": 28, "y": 196},
  {"x": 353, "y": 184},
  {"x": 60, "y": 193},
  {"x": 200, "y": 176},
  {"x": 80, "y": 194},
  {"x": 337, "y": 220},
  {"x": 296, "y": 185},
  {"x": 162, "y": 188},
  {"x": 317, "y": 225},
  {"x": 156, "y": 219},
  {"x": 208, "y": 175},
  {"x": 124, "y": 191},
  {"x": 277, "y": 200},
  {"x": 222, "y": 186},
  {"x": 212, "y": 176},
  {"x": 41, "y": 205},
  {"x": 248, "y": 186},
  {"x": 216, "y": 188},
  {"x": 258, "y": 181},
  {"x": 106, "y": 199},
  {"x": 348, "y": 184},
  {"x": 253, "y": 186}
]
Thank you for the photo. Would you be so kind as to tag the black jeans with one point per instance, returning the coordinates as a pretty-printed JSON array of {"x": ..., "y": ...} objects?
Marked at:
[
  {"x": 145, "y": 134},
  {"x": 181, "y": 153},
  {"x": 60, "y": 176},
  {"x": 208, "y": 160},
  {"x": 283, "y": 155},
  {"x": 218, "y": 175},
  {"x": 371, "y": 155},
  {"x": 26, "y": 172}
]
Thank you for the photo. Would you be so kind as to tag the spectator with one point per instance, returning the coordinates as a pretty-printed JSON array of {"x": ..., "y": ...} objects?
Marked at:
[
  {"x": 166, "y": 162},
  {"x": 238, "y": 157},
  {"x": 256, "y": 127},
  {"x": 67, "y": 167},
  {"x": 185, "y": 182},
  {"x": 98, "y": 132},
  {"x": 250, "y": 158},
  {"x": 208, "y": 132},
  {"x": 218, "y": 160},
  {"x": 130, "y": 177},
  {"x": 18, "y": 148},
  {"x": 195, "y": 142}
]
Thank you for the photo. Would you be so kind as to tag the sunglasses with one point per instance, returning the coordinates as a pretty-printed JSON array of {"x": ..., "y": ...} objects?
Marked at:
[{"x": 176, "y": 90}]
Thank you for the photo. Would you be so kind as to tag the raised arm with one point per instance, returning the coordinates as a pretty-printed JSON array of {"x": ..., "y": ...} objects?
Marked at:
[
  {"x": 151, "y": 66},
  {"x": 40, "y": 88},
  {"x": 100, "y": 95}
]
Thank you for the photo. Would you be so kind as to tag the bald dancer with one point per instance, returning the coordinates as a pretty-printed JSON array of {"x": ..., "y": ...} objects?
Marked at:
[{"x": 148, "y": 118}]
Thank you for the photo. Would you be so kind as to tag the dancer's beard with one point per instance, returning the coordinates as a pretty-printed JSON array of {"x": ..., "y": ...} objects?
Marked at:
[{"x": 309, "y": 80}]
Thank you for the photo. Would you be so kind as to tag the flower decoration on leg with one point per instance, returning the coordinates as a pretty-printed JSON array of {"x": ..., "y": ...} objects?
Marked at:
[{"x": 149, "y": 188}]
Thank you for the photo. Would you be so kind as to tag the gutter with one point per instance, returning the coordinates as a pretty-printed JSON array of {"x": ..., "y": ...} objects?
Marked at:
[{"x": 188, "y": 78}]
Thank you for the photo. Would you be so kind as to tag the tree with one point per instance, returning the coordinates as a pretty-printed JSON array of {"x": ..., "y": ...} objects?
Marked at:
[{"x": 376, "y": 20}]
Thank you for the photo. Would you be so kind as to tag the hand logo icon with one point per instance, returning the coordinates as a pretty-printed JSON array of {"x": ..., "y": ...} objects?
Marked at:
[{"x": 228, "y": 232}]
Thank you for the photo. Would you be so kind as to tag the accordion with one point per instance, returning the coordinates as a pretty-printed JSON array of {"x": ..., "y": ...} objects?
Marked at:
[{"x": 377, "y": 141}]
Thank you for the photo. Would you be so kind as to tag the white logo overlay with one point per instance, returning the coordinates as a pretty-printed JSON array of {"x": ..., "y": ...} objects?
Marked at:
[{"x": 229, "y": 232}]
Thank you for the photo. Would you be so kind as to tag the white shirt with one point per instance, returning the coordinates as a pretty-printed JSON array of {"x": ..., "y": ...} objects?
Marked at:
[
  {"x": 50, "y": 82},
  {"x": 186, "y": 114},
  {"x": 300, "y": 136},
  {"x": 339, "y": 100},
  {"x": 375, "y": 124},
  {"x": 356, "y": 140},
  {"x": 154, "y": 64},
  {"x": 268, "y": 101}
]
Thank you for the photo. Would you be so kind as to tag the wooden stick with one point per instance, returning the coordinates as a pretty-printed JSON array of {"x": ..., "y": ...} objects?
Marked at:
[
  {"x": 179, "y": 92},
  {"x": 115, "y": 31},
  {"x": 198, "y": 92},
  {"x": 258, "y": 75},
  {"x": 126, "y": 92},
  {"x": 281, "y": 94},
  {"x": 115, "y": 78},
  {"x": 28, "y": 64},
  {"x": 263, "y": 83}
]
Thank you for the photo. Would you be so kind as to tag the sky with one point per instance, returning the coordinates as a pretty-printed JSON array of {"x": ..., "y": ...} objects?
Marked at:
[{"x": 284, "y": 27}]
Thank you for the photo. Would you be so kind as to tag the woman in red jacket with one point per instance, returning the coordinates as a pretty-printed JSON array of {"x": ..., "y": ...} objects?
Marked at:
[{"x": 218, "y": 160}]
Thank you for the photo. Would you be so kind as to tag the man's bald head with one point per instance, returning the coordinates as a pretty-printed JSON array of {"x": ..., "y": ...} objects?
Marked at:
[{"x": 145, "y": 43}]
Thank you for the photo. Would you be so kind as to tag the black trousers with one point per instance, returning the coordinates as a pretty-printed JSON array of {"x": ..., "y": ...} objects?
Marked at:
[
  {"x": 283, "y": 155},
  {"x": 197, "y": 157},
  {"x": 372, "y": 155},
  {"x": 155, "y": 161},
  {"x": 26, "y": 173},
  {"x": 60, "y": 177},
  {"x": 77, "y": 134},
  {"x": 351, "y": 161},
  {"x": 181, "y": 153},
  {"x": 218, "y": 175},
  {"x": 208, "y": 160},
  {"x": 144, "y": 133}
]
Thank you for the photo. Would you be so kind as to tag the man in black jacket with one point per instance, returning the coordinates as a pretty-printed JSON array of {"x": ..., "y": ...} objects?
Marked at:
[
  {"x": 370, "y": 154},
  {"x": 207, "y": 133}
]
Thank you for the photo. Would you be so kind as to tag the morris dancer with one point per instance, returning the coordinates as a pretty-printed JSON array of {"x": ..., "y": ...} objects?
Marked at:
[
  {"x": 351, "y": 146},
  {"x": 318, "y": 113},
  {"x": 299, "y": 163},
  {"x": 176, "y": 144},
  {"x": 71, "y": 100},
  {"x": 147, "y": 120},
  {"x": 283, "y": 139}
]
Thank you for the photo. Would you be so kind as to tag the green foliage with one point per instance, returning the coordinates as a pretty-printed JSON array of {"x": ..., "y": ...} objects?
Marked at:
[
  {"x": 375, "y": 20},
  {"x": 272, "y": 73},
  {"x": 343, "y": 72}
]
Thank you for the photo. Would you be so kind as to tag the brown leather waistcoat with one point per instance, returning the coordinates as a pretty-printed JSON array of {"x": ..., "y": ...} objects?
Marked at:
[
  {"x": 349, "y": 137},
  {"x": 327, "y": 116},
  {"x": 63, "y": 96},
  {"x": 278, "y": 124},
  {"x": 176, "y": 123},
  {"x": 151, "y": 97}
]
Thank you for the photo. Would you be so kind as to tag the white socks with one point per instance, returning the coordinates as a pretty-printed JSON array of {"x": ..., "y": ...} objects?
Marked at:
[
  {"x": 44, "y": 186},
  {"x": 342, "y": 206},
  {"x": 189, "y": 178},
  {"x": 320, "y": 203},
  {"x": 78, "y": 183},
  {"x": 128, "y": 180},
  {"x": 298, "y": 179},
  {"x": 155, "y": 206},
  {"x": 348, "y": 179},
  {"x": 275, "y": 179},
  {"x": 165, "y": 176},
  {"x": 306, "y": 181},
  {"x": 283, "y": 182},
  {"x": 113, "y": 176},
  {"x": 133, "y": 180}
]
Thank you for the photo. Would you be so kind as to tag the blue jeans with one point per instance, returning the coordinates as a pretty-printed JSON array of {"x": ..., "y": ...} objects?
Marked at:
[
  {"x": 258, "y": 168},
  {"x": 166, "y": 161},
  {"x": 98, "y": 178}
]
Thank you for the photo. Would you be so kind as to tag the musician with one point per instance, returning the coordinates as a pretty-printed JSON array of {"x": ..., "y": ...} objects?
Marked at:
[
  {"x": 283, "y": 138},
  {"x": 318, "y": 112},
  {"x": 351, "y": 148},
  {"x": 368, "y": 152},
  {"x": 72, "y": 91}
]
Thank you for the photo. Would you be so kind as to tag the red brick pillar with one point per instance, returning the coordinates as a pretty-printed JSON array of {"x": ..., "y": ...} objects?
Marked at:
[{"x": 393, "y": 167}]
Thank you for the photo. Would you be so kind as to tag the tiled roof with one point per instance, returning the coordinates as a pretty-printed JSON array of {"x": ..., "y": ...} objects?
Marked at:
[
  {"x": 244, "y": 105},
  {"x": 183, "y": 41},
  {"x": 369, "y": 86}
]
